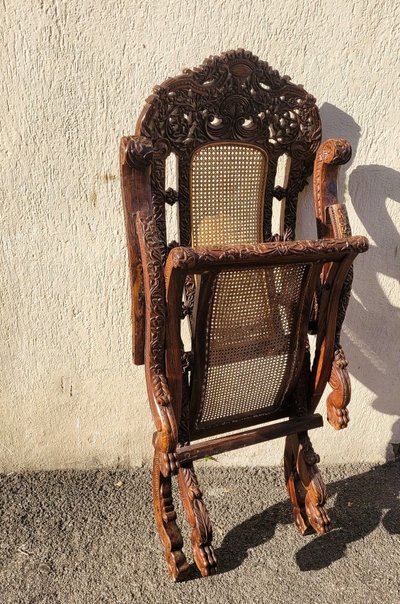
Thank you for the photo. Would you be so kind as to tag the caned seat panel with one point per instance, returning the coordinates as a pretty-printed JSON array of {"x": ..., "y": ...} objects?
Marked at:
[
  {"x": 251, "y": 343},
  {"x": 227, "y": 186}
]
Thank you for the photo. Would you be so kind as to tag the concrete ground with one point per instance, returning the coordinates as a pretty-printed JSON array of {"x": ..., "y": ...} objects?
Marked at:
[{"x": 89, "y": 537}]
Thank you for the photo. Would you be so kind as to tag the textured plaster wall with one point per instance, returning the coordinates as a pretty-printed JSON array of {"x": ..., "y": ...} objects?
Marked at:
[{"x": 74, "y": 78}]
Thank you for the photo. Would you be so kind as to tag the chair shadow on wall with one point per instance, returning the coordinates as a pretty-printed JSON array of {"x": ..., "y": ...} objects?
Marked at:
[
  {"x": 358, "y": 510},
  {"x": 374, "y": 362},
  {"x": 373, "y": 353}
]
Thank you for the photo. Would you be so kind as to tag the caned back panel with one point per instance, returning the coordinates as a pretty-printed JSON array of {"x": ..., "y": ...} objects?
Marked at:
[
  {"x": 227, "y": 188},
  {"x": 251, "y": 344}
]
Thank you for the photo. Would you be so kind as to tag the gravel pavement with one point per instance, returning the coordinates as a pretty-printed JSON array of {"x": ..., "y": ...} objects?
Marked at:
[{"x": 75, "y": 537}]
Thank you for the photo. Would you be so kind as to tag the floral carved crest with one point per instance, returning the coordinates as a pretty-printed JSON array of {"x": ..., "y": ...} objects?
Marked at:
[{"x": 234, "y": 96}]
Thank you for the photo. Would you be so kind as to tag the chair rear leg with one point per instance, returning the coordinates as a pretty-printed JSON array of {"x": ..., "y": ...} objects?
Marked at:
[
  {"x": 297, "y": 492},
  {"x": 165, "y": 517},
  {"x": 306, "y": 488},
  {"x": 198, "y": 519}
]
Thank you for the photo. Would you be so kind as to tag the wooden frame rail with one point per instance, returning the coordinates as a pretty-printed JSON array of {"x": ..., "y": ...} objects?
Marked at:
[{"x": 239, "y": 440}]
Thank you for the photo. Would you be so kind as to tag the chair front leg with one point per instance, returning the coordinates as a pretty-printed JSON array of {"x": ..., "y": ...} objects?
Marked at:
[
  {"x": 165, "y": 517},
  {"x": 306, "y": 488},
  {"x": 198, "y": 519}
]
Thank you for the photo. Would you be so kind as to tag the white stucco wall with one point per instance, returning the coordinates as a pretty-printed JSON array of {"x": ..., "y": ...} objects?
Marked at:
[{"x": 75, "y": 76}]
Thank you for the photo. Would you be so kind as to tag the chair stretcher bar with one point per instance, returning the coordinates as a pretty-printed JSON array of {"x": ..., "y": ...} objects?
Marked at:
[{"x": 250, "y": 437}]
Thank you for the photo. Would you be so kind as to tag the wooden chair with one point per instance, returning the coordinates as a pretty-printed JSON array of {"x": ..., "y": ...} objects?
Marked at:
[{"x": 250, "y": 298}]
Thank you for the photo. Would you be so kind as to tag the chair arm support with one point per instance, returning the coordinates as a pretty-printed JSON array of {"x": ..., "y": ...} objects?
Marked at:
[
  {"x": 154, "y": 290},
  {"x": 135, "y": 164},
  {"x": 330, "y": 155}
]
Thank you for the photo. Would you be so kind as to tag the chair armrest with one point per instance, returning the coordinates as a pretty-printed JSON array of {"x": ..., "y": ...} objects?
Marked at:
[
  {"x": 206, "y": 258},
  {"x": 331, "y": 215},
  {"x": 155, "y": 312}
]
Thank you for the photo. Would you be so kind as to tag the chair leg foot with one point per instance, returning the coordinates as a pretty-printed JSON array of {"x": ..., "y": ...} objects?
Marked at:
[
  {"x": 198, "y": 519},
  {"x": 306, "y": 488},
  {"x": 165, "y": 517}
]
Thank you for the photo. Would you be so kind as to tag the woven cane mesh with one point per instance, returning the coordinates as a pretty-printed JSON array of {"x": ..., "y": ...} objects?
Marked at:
[
  {"x": 251, "y": 340},
  {"x": 227, "y": 183}
]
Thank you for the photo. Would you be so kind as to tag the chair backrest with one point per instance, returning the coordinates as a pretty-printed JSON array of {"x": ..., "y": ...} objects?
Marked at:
[
  {"x": 228, "y": 122},
  {"x": 227, "y": 188}
]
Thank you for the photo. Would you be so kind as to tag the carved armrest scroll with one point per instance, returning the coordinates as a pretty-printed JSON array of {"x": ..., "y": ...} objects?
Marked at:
[
  {"x": 135, "y": 163},
  {"x": 137, "y": 151},
  {"x": 154, "y": 290},
  {"x": 330, "y": 155}
]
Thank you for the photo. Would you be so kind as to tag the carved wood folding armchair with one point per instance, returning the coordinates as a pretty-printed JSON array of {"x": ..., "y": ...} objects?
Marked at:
[{"x": 250, "y": 298}]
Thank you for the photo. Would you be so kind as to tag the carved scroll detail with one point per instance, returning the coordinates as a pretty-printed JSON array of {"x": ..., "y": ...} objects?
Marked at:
[
  {"x": 199, "y": 521},
  {"x": 338, "y": 415},
  {"x": 331, "y": 154},
  {"x": 335, "y": 151},
  {"x": 138, "y": 152}
]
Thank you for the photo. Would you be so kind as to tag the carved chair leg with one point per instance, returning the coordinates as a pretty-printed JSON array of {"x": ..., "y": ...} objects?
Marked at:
[
  {"x": 165, "y": 517},
  {"x": 336, "y": 404},
  {"x": 306, "y": 489},
  {"x": 198, "y": 519}
]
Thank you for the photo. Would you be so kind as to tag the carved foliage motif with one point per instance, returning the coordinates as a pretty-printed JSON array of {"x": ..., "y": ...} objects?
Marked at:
[
  {"x": 188, "y": 258},
  {"x": 152, "y": 261},
  {"x": 234, "y": 96},
  {"x": 198, "y": 519},
  {"x": 336, "y": 404},
  {"x": 138, "y": 152}
]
